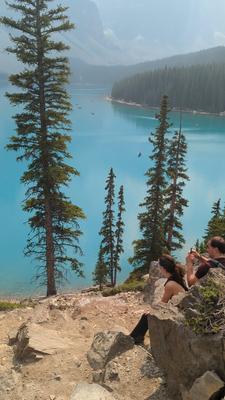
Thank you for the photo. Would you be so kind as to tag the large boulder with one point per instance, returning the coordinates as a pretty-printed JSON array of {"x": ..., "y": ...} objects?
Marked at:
[
  {"x": 180, "y": 352},
  {"x": 106, "y": 346},
  {"x": 33, "y": 341},
  {"x": 204, "y": 387},
  {"x": 86, "y": 391}
]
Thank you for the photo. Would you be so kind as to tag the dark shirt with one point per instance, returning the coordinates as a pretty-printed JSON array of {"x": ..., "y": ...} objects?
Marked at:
[
  {"x": 204, "y": 268},
  {"x": 181, "y": 282}
]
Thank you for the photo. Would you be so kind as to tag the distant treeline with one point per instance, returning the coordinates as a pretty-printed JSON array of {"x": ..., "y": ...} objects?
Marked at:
[
  {"x": 83, "y": 73},
  {"x": 199, "y": 87}
]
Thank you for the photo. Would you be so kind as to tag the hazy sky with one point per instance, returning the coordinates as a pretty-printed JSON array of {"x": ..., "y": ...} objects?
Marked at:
[
  {"x": 176, "y": 25},
  {"x": 151, "y": 29}
]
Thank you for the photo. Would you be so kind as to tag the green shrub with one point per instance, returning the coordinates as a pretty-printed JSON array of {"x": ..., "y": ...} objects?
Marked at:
[
  {"x": 209, "y": 313},
  {"x": 8, "y": 306},
  {"x": 136, "y": 275},
  {"x": 133, "y": 286}
]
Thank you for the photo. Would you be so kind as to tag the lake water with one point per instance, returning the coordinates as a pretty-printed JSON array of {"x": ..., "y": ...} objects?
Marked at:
[{"x": 108, "y": 135}]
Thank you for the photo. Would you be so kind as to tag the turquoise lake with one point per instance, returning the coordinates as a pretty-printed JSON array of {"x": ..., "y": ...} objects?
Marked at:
[{"x": 107, "y": 135}]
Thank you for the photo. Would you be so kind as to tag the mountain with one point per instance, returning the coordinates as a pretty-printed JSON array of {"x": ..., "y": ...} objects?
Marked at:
[
  {"x": 89, "y": 42},
  {"x": 196, "y": 87},
  {"x": 129, "y": 31},
  {"x": 101, "y": 74}
]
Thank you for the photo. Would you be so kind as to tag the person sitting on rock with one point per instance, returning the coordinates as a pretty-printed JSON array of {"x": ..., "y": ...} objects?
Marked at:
[
  {"x": 216, "y": 252},
  {"x": 174, "y": 285}
]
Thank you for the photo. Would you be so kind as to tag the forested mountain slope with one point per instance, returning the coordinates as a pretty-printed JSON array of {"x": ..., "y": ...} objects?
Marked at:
[
  {"x": 86, "y": 73},
  {"x": 199, "y": 87}
]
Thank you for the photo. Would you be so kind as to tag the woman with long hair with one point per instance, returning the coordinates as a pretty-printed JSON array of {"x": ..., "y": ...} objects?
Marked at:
[{"x": 175, "y": 284}]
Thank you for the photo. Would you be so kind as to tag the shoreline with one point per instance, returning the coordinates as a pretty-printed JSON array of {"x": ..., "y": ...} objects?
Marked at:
[
  {"x": 173, "y": 109},
  {"x": 17, "y": 298}
]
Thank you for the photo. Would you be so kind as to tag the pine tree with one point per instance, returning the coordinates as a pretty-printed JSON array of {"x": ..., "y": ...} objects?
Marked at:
[
  {"x": 197, "y": 245},
  {"x": 119, "y": 234},
  {"x": 42, "y": 137},
  {"x": 100, "y": 273},
  {"x": 151, "y": 222},
  {"x": 200, "y": 246},
  {"x": 108, "y": 225},
  {"x": 177, "y": 176},
  {"x": 216, "y": 224}
]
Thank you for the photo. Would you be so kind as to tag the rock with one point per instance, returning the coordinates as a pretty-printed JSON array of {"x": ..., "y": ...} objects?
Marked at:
[
  {"x": 149, "y": 369},
  {"x": 12, "y": 337},
  {"x": 158, "y": 291},
  {"x": 77, "y": 362},
  {"x": 204, "y": 387},
  {"x": 58, "y": 378},
  {"x": 107, "y": 345},
  {"x": 8, "y": 381},
  {"x": 183, "y": 355},
  {"x": 76, "y": 312},
  {"x": 190, "y": 302},
  {"x": 145, "y": 277},
  {"x": 98, "y": 376},
  {"x": 40, "y": 314},
  {"x": 220, "y": 395},
  {"x": 85, "y": 391},
  {"x": 154, "y": 288},
  {"x": 33, "y": 340},
  {"x": 111, "y": 372}
]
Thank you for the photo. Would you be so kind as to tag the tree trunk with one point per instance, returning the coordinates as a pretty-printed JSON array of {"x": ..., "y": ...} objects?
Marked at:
[{"x": 50, "y": 258}]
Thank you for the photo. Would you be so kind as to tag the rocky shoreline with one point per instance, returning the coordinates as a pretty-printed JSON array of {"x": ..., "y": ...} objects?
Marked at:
[{"x": 174, "y": 109}]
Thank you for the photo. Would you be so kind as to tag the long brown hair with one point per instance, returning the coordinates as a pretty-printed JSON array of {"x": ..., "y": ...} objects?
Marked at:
[{"x": 177, "y": 271}]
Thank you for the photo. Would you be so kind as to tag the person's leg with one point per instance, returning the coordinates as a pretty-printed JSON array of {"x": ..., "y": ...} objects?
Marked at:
[{"x": 138, "y": 333}]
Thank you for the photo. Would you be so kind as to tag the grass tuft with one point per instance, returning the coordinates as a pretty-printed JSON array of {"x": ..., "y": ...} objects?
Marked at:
[
  {"x": 132, "y": 286},
  {"x": 9, "y": 306}
]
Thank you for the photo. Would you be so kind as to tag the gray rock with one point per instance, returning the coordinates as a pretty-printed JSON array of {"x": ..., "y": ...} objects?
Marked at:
[
  {"x": 33, "y": 341},
  {"x": 204, "y": 387},
  {"x": 12, "y": 337},
  {"x": 107, "y": 345},
  {"x": 111, "y": 372},
  {"x": 179, "y": 352},
  {"x": 150, "y": 293},
  {"x": 191, "y": 300},
  {"x": 85, "y": 391},
  {"x": 149, "y": 368},
  {"x": 98, "y": 376}
]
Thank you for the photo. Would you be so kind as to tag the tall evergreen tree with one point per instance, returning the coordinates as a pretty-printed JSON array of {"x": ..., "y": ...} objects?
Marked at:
[
  {"x": 100, "y": 273},
  {"x": 216, "y": 224},
  {"x": 151, "y": 221},
  {"x": 42, "y": 137},
  {"x": 174, "y": 199},
  {"x": 197, "y": 245},
  {"x": 200, "y": 246},
  {"x": 108, "y": 225},
  {"x": 119, "y": 234}
]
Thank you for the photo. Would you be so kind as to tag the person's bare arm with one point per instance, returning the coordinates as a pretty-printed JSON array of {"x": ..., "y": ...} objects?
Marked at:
[
  {"x": 168, "y": 292},
  {"x": 191, "y": 277}
]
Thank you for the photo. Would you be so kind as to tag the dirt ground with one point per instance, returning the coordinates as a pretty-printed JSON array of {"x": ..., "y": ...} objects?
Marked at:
[{"x": 77, "y": 317}]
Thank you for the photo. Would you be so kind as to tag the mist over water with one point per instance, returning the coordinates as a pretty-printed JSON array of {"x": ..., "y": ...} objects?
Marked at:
[{"x": 106, "y": 135}]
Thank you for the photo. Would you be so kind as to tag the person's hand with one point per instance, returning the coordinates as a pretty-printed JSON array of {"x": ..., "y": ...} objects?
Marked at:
[
  {"x": 190, "y": 258},
  {"x": 195, "y": 253}
]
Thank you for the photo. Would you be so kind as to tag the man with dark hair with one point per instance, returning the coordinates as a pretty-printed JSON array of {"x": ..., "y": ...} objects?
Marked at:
[{"x": 216, "y": 252}]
